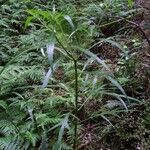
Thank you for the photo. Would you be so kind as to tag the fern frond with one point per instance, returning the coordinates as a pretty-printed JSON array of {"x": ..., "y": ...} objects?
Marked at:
[
  {"x": 17, "y": 76},
  {"x": 9, "y": 143}
]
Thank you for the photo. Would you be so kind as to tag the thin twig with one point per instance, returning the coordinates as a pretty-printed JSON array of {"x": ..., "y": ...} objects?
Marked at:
[
  {"x": 139, "y": 27},
  {"x": 142, "y": 31}
]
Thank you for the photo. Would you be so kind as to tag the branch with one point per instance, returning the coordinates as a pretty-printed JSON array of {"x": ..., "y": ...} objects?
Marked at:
[{"x": 140, "y": 29}]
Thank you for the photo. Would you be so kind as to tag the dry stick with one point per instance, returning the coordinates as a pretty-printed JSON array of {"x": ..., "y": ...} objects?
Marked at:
[
  {"x": 111, "y": 23},
  {"x": 139, "y": 27},
  {"x": 131, "y": 22},
  {"x": 115, "y": 21}
]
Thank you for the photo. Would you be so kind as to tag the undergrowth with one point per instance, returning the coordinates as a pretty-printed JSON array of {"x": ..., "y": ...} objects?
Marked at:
[{"x": 70, "y": 75}]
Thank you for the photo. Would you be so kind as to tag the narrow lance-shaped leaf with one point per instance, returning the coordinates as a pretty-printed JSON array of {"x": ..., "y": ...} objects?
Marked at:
[
  {"x": 106, "y": 119},
  {"x": 42, "y": 51},
  {"x": 102, "y": 62},
  {"x": 116, "y": 44},
  {"x": 122, "y": 96},
  {"x": 64, "y": 125},
  {"x": 123, "y": 103},
  {"x": 89, "y": 61},
  {"x": 115, "y": 83},
  {"x": 87, "y": 52},
  {"x": 47, "y": 77},
  {"x": 50, "y": 52},
  {"x": 28, "y": 21},
  {"x": 69, "y": 20}
]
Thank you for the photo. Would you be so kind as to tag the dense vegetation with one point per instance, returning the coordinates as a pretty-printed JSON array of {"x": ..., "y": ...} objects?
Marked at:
[{"x": 74, "y": 75}]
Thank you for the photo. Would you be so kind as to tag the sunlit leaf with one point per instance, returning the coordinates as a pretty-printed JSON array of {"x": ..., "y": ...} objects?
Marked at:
[
  {"x": 64, "y": 125},
  {"x": 47, "y": 77},
  {"x": 130, "y": 3},
  {"x": 125, "y": 106},
  {"x": 50, "y": 52},
  {"x": 42, "y": 51},
  {"x": 28, "y": 21},
  {"x": 115, "y": 83},
  {"x": 69, "y": 21}
]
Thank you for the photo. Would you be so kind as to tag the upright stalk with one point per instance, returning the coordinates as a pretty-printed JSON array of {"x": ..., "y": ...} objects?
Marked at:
[
  {"x": 76, "y": 91},
  {"x": 76, "y": 104}
]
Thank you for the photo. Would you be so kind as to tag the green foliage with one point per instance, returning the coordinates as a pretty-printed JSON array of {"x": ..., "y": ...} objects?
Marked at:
[{"x": 51, "y": 79}]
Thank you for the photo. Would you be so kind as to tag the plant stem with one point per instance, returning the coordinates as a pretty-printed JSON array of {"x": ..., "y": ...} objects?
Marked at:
[
  {"x": 76, "y": 91},
  {"x": 76, "y": 104},
  {"x": 70, "y": 56}
]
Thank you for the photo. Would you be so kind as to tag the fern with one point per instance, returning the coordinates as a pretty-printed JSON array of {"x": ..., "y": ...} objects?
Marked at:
[
  {"x": 17, "y": 76},
  {"x": 9, "y": 143}
]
